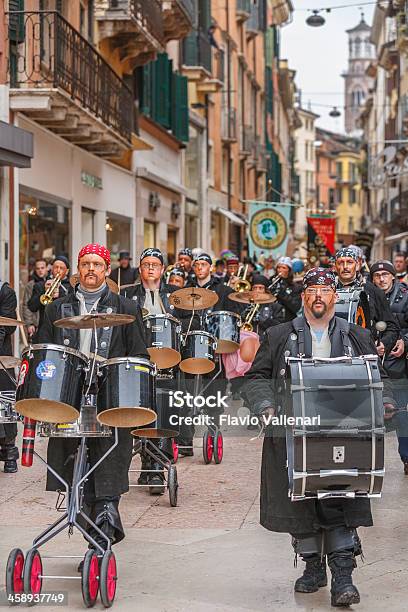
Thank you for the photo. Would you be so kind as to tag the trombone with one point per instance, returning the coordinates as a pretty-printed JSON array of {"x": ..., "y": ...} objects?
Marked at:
[{"x": 47, "y": 297}]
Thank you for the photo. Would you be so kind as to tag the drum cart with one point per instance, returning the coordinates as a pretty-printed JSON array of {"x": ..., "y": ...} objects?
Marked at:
[
  {"x": 145, "y": 445},
  {"x": 99, "y": 573}
]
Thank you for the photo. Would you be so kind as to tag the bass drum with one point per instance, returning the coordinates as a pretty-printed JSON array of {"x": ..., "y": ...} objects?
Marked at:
[
  {"x": 50, "y": 383},
  {"x": 352, "y": 305},
  {"x": 127, "y": 392},
  {"x": 167, "y": 424}
]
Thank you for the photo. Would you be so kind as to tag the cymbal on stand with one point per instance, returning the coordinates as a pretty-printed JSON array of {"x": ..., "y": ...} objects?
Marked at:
[
  {"x": 9, "y": 322},
  {"x": 94, "y": 319},
  {"x": 193, "y": 298},
  {"x": 250, "y": 297}
]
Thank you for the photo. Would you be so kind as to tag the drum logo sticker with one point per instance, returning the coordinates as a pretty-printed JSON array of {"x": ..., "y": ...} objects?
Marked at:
[
  {"x": 46, "y": 370},
  {"x": 22, "y": 373},
  {"x": 338, "y": 454}
]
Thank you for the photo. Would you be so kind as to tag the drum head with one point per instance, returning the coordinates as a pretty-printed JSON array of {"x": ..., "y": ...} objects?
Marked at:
[
  {"x": 197, "y": 365},
  {"x": 226, "y": 346},
  {"x": 154, "y": 433},
  {"x": 47, "y": 411},
  {"x": 164, "y": 357},
  {"x": 127, "y": 417}
]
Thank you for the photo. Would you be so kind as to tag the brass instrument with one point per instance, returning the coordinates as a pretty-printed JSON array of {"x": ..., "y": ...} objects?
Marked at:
[
  {"x": 274, "y": 282},
  {"x": 47, "y": 297},
  {"x": 247, "y": 324},
  {"x": 243, "y": 284}
]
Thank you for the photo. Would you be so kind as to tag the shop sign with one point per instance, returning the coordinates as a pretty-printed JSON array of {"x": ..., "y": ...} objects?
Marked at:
[
  {"x": 91, "y": 181},
  {"x": 386, "y": 165}
]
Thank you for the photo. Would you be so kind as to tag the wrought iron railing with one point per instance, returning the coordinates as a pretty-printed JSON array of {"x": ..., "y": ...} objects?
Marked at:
[
  {"x": 220, "y": 57},
  {"x": 244, "y": 6},
  {"x": 147, "y": 13},
  {"x": 248, "y": 139},
  {"x": 45, "y": 51},
  {"x": 229, "y": 123},
  {"x": 197, "y": 50},
  {"x": 189, "y": 9}
]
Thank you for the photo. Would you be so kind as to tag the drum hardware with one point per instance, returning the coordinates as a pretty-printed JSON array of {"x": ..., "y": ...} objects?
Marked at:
[
  {"x": 74, "y": 280},
  {"x": 30, "y": 571},
  {"x": 193, "y": 298},
  {"x": 7, "y": 411},
  {"x": 95, "y": 320},
  {"x": 247, "y": 324},
  {"x": 48, "y": 296},
  {"x": 224, "y": 326},
  {"x": 147, "y": 447},
  {"x": 251, "y": 297},
  {"x": 8, "y": 322}
]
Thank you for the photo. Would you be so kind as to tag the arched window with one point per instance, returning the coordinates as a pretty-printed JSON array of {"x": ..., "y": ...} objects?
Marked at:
[
  {"x": 367, "y": 47},
  {"x": 357, "y": 47}
]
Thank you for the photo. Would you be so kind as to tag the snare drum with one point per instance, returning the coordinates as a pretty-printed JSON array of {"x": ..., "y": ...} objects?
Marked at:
[
  {"x": 127, "y": 392},
  {"x": 225, "y": 327},
  {"x": 87, "y": 426},
  {"x": 7, "y": 412},
  {"x": 342, "y": 455},
  {"x": 50, "y": 383},
  {"x": 198, "y": 353},
  {"x": 163, "y": 339}
]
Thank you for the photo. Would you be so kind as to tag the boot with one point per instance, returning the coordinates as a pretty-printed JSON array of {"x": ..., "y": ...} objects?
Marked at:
[
  {"x": 105, "y": 515},
  {"x": 145, "y": 464},
  {"x": 156, "y": 480},
  {"x": 343, "y": 591},
  {"x": 314, "y": 575},
  {"x": 9, "y": 454}
]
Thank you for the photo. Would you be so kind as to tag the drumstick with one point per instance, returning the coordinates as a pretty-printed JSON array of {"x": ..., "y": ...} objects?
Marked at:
[{"x": 23, "y": 334}]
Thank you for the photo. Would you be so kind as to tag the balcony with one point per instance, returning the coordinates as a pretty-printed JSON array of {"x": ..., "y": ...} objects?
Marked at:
[
  {"x": 229, "y": 125},
  {"x": 256, "y": 22},
  {"x": 135, "y": 29},
  {"x": 247, "y": 140},
  {"x": 261, "y": 156},
  {"x": 60, "y": 81},
  {"x": 197, "y": 55},
  {"x": 178, "y": 18},
  {"x": 220, "y": 70},
  {"x": 243, "y": 10}
]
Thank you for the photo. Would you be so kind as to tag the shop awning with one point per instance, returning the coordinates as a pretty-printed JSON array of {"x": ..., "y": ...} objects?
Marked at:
[
  {"x": 16, "y": 146},
  {"x": 396, "y": 237},
  {"x": 231, "y": 216}
]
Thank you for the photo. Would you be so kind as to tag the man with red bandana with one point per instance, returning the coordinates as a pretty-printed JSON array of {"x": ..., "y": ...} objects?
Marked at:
[
  {"x": 92, "y": 294},
  {"x": 319, "y": 528}
]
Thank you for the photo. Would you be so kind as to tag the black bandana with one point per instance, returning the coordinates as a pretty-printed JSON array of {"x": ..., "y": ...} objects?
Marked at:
[
  {"x": 187, "y": 252},
  {"x": 319, "y": 276},
  {"x": 204, "y": 257},
  {"x": 178, "y": 272},
  {"x": 347, "y": 252},
  {"x": 152, "y": 252}
]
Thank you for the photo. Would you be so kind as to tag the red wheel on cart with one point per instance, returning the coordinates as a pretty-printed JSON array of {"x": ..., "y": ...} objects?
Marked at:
[
  {"x": 175, "y": 450},
  {"x": 218, "y": 447},
  {"x": 32, "y": 573},
  {"x": 90, "y": 578},
  {"x": 14, "y": 574},
  {"x": 108, "y": 577},
  {"x": 208, "y": 447}
]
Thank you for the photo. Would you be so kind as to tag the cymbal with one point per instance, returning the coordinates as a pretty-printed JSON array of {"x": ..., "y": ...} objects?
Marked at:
[
  {"x": 127, "y": 286},
  {"x": 95, "y": 319},
  {"x": 193, "y": 297},
  {"x": 249, "y": 297},
  {"x": 7, "y": 322},
  {"x": 111, "y": 283},
  {"x": 8, "y": 361}
]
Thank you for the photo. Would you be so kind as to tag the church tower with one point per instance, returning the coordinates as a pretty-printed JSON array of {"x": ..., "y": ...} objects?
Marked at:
[{"x": 357, "y": 82}]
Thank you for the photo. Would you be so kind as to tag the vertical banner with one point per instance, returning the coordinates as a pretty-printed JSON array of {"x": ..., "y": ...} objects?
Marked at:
[
  {"x": 365, "y": 241},
  {"x": 320, "y": 238},
  {"x": 268, "y": 229}
]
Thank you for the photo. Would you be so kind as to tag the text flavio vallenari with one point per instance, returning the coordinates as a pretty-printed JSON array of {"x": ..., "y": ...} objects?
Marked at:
[{"x": 243, "y": 421}]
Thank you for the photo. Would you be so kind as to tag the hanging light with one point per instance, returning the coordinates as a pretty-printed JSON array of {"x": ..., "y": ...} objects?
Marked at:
[
  {"x": 335, "y": 112},
  {"x": 315, "y": 20}
]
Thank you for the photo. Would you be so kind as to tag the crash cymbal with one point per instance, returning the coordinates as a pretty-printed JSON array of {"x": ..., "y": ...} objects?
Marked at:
[
  {"x": 6, "y": 322},
  {"x": 193, "y": 297},
  {"x": 8, "y": 361},
  {"x": 74, "y": 280},
  {"x": 95, "y": 319},
  {"x": 249, "y": 297}
]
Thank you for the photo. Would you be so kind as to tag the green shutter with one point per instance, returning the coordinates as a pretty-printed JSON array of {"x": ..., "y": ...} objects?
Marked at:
[
  {"x": 204, "y": 15},
  {"x": 269, "y": 90},
  {"x": 180, "y": 120},
  {"x": 16, "y": 22},
  {"x": 162, "y": 77},
  {"x": 146, "y": 93}
]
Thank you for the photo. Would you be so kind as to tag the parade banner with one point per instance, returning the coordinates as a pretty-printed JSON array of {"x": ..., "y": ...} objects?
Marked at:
[
  {"x": 320, "y": 237},
  {"x": 268, "y": 229},
  {"x": 365, "y": 241}
]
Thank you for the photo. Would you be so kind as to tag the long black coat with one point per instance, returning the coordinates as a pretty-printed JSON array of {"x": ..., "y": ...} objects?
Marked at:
[
  {"x": 111, "y": 477},
  {"x": 8, "y": 305},
  {"x": 278, "y": 512}
]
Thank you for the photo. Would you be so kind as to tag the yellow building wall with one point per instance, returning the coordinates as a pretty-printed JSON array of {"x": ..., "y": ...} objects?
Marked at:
[{"x": 346, "y": 210}]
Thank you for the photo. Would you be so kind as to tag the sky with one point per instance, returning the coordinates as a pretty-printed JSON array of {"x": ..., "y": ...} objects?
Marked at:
[{"x": 319, "y": 55}]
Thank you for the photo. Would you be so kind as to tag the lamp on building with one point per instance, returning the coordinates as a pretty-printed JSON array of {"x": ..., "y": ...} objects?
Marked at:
[
  {"x": 335, "y": 112},
  {"x": 175, "y": 210},
  {"x": 315, "y": 20},
  {"x": 154, "y": 201}
]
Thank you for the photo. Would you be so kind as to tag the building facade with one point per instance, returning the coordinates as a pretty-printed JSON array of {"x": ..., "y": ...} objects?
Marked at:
[{"x": 305, "y": 164}]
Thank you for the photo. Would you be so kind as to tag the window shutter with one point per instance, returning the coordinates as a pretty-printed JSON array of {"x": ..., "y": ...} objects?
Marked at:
[
  {"x": 180, "y": 115},
  {"x": 146, "y": 101},
  {"x": 162, "y": 77},
  {"x": 16, "y": 22}
]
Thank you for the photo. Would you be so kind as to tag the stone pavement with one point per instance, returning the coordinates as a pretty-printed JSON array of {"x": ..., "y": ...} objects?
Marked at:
[{"x": 210, "y": 553}]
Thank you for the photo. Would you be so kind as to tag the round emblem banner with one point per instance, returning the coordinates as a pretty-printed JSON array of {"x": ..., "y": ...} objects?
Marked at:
[{"x": 268, "y": 228}]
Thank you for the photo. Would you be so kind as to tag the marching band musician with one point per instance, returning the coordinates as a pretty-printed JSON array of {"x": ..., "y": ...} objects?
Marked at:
[
  {"x": 267, "y": 314},
  {"x": 59, "y": 267},
  {"x": 384, "y": 276},
  {"x": 92, "y": 294},
  {"x": 185, "y": 261},
  {"x": 286, "y": 291},
  {"x": 232, "y": 268},
  {"x": 152, "y": 293},
  {"x": 177, "y": 278},
  {"x": 8, "y": 431},
  {"x": 324, "y": 527},
  {"x": 347, "y": 269}
]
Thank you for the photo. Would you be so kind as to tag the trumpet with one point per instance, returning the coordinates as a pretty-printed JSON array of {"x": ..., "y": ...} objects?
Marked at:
[
  {"x": 247, "y": 324},
  {"x": 243, "y": 284},
  {"x": 274, "y": 282},
  {"x": 47, "y": 297}
]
